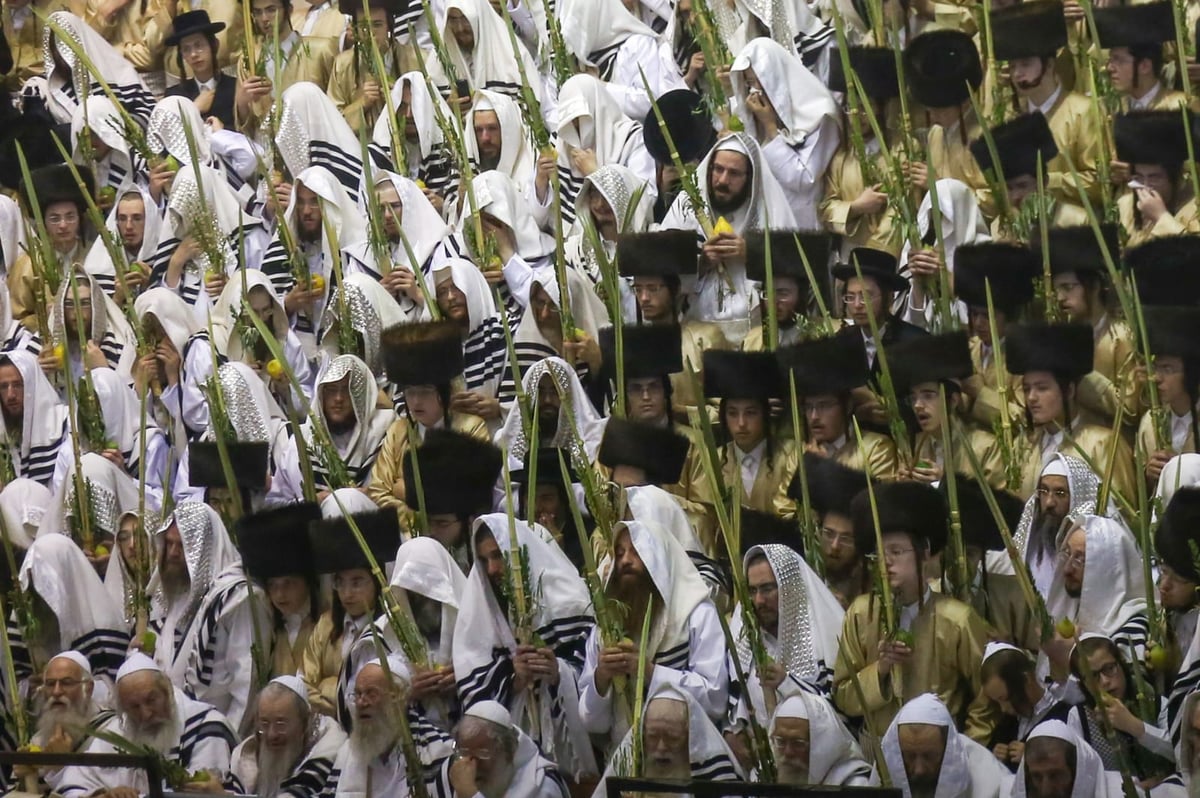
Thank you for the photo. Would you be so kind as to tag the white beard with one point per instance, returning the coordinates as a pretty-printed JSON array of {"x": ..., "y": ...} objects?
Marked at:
[
  {"x": 72, "y": 719},
  {"x": 501, "y": 779},
  {"x": 680, "y": 771},
  {"x": 274, "y": 767},
  {"x": 375, "y": 737},
  {"x": 787, "y": 774},
  {"x": 162, "y": 740}
]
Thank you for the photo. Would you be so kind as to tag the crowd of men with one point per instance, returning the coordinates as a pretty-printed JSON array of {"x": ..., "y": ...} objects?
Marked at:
[{"x": 496, "y": 397}]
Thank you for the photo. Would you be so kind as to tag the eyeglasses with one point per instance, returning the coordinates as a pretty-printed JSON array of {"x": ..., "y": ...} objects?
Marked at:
[
  {"x": 280, "y": 726},
  {"x": 1066, "y": 558},
  {"x": 794, "y": 743},
  {"x": 1108, "y": 670},
  {"x": 893, "y": 554},
  {"x": 1167, "y": 370},
  {"x": 66, "y": 684},
  {"x": 478, "y": 754},
  {"x": 863, "y": 298},
  {"x": 62, "y": 218},
  {"x": 841, "y": 538},
  {"x": 821, "y": 406},
  {"x": 372, "y": 695},
  {"x": 1058, "y": 493}
]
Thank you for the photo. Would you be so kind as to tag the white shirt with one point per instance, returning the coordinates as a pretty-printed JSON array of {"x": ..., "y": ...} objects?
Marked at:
[
  {"x": 832, "y": 449},
  {"x": 1046, "y": 106},
  {"x": 1181, "y": 430},
  {"x": 351, "y": 629},
  {"x": 1143, "y": 103},
  {"x": 20, "y": 16},
  {"x": 210, "y": 84},
  {"x": 909, "y": 612},
  {"x": 751, "y": 461}
]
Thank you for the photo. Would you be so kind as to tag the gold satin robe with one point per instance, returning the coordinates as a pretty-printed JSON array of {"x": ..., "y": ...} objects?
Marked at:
[
  {"x": 1165, "y": 100},
  {"x": 950, "y": 153},
  {"x": 985, "y": 409},
  {"x": 1146, "y": 440},
  {"x": 1184, "y": 220},
  {"x": 696, "y": 337},
  {"x": 347, "y": 77},
  {"x": 775, "y": 473},
  {"x": 878, "y": 451},
  {"x": 1074, "y": 128},
  {"x": 1091, "y": 443},
  {"x": 949, "y": 638},
  {"x": 26, "y": 45},
  {"x": 1064, "y": 214},
  {"x": 985, "y": 446},
  {"x": 287, "y": 658},
  {"x": 322, "y": 664},
  {"x": 136, "y": 34},
  {"x": 388, "y": 472},
  {"x": 1113, "y": 380},
  {"x": 1002, "y": 606},
  {"x": 311, "y": 61},
  {"x": 844, "y": 182}
]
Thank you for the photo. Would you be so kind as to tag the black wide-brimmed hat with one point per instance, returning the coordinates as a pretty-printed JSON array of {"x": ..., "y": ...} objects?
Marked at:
[
  {"x": 875, "y": 68},
  {"x": 687, "y": 120},
  {"x": 1028, "y": 30},
  {"x": 1010, "y": 270},
  {"x": 912, "y": 507},
  {"x": 1066, "y": 350},
  {"x": 876, "y": 264},
  {"x": 1019, "y": 143},
  {"x": 942, "y": 68},
  {"x": 191, "y": 22}
]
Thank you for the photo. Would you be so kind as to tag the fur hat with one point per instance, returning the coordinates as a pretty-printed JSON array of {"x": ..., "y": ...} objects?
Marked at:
[
  {"x": 249, "y": 462},
  {"x": 741, "y": 375},
  {"x": 273, "y": 542},
  {"x": 1010, "y": 269},
  {"x": 334, "y": 547},
  {"x": 663, "y": 253},
  {"x": 1065, "y": 350},
  {"x": 1028, "y": 30},
  {"x": 978, "y": 524},
  {"x": 930, "y": 358},
  {"x": 458, "y": 473},
  {"x": 424, "y": 353},
  {"x": 833, "y": 365},
  {"x": 1019, "y": 144},
  {"x": 1164, "y": 270},
  {"x": 659, "y": 451},
  {"x": 1151, "y": 137},
  {"x": 831, "y": 485},
  {"x": 875, "y": 68},
  {"x": 912, "y": 507},
  {"x": 1075, "y": 249},
  {"x": 942, "y": 68},
  {"x": 687, "y": 120},
  {"x": 786, "y": 257},
  {"x": 1177, "y": 539},
  {"x": 651, "y": 350}
]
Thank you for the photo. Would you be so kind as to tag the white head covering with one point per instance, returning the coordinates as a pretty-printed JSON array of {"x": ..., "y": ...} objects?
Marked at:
[
  {"x": 492, "y": 711},
  {"x": 485, "y": 351},
  {"x": 429, "y": 134},
  {"x": 767, "y": 205},
  {"x": 312, "y": 132},
  {"x": 167, "y": 131},
  {"x": 499, "y": 197},
  {"x": 517, "y": 157},
  {"x": 424, "y": 566},
  {"x": 955, "y": 777},
  {"x": 136, "y": 663},
  {"x": 293, "y": 683},
  {"x": 561, "y": 614},
  {"x": 57, "y": 569},
  {"x": 66, "y": 86},
  {"x": 492, "y": 64},
  {"x": 338, "y": 209},
  {"x": 618, "y": 186},
  {"x": 110, "y": 328},
  {"x": 591, "y": 27},
  {"x": 75, "y": 657},
  {"x": 12, "y": 232},
  {"x": 100, "y": 115},
  {"x": 113, "y": 493},
  {"x": 23, "y": 503},
  {"x": 1113, "y": 588},
  {"x": 345, "y": 501},
  {"x": 800, "y": 99},
  {"x": 45, "y": 416},
  {"x": 589, "y": 425},
  {"x": 172, "y": 313},
  {"x": 99, "y": 263},
  {"x": 371, "y": 424},
  {"x": 1090, "y": 779},
  {"x": 422, "y": 225},
  {"x": 234, "y": 301},
  {"x": 372, "y": 310},
  {"x": 1181, "y": 471},
  {"x": 833, "y": 756}
]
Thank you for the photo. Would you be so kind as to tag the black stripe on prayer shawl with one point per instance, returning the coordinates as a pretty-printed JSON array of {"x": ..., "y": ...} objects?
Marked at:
[
  {"x": 381, "y": 157},
  {"x": 504, "y": 87},
  {"x": 1185, "y": 684},
  {"x": 718, "y": 768},
  {"x": 198, "y": 728},
  {"x": 1133, "y": 635},
  {"x": 676, "y": 658},
  {"x": 605, "y": 59},
  {"x": 116, "y": 175},
  {"x": 206, "y": 641},
  {"x": 105, "y": 650},
  {"x": 568, "y": 189},
  {"x": 411, "y": 16},
  {"x": 107, "y": 282},
  {"x": 38, "y": 465},
  {"x": 277, "y": 269},
  {"x": 492, "y": 680},
  {"x": 133, "y": 98},
  {"x": 347, "y": 168},
  {"x": 527, "y": 353},
  {"x": 359, "y": 473},
  {"x": 310, "y": 779},
  {"x": 711, "y": 571}
]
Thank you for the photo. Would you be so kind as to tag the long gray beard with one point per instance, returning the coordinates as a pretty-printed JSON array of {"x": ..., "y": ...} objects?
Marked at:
[
  {"x": 162, "y": 740},
  {"x": 274, "y": 767},
  {"x": 788, "y": 774},
  {"x": 375, "y": 737},
  {"x": 679, "y": 771},
  {"x": 73, "y": 719},
  {"x": 497, "y": 786}
]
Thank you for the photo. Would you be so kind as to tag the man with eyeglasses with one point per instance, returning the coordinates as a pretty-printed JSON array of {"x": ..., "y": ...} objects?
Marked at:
[
  {"x": 812, "y": 745},
  {"x": 82, "y": 307},
  {"x": 153, "y": 712},
  {"x": 790, "y": 251},
  {"x": 292, "y": 749},
  {"x": 799, "y": 622},
  {"x": 876, "y": 673},
  {"x": 1173, "y": 336},
  {"x": 496, "y": 759},
  {"x": 1134, "y": 37},
  {"x": 65, "y": 710},
  {"x": 926, "y": 755},
  {"x": 1080, "y": 282},
  {"x": 831, "y": 488},
  {"x": 826, "y": 373},
  {"x": 869, "y": 281}
]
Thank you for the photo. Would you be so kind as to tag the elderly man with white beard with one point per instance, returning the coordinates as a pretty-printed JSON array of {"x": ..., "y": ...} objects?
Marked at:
[
  {"x": 495, "y": 759},
  {"x": 66, "y": 710},
  {"x": 812, "y": 746},
  {"x": 373, "y": 763},
  {"x": 292, "y": 750},
  {"x": 153, "y": 712}
]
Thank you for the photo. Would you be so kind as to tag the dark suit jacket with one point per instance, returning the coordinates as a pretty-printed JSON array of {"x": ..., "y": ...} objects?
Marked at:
[{"x": 222, "y": 107}]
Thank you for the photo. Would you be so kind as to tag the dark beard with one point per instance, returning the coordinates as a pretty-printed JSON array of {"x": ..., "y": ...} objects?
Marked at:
[
  {"x": 723, "y": 207},
  {"x": 341, "y": 428},
  {"x": 1043, "y": 536}
]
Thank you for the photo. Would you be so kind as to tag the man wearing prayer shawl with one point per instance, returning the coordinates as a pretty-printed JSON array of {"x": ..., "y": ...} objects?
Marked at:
[
  {"x": 593, "y": 132},
  {"x": 34, "y": 419},
  {"x": 650, "y": 572},
  {"x": 372, "y": 763},
  {"x": 799, "y": 621},
  {"x": 737, "y": 185},
  {"x": 64, "y": 213},
  {"x": 927, "y": 756},
  {"x": 652, "y": 505},
  {"x": 368, "y": 309},
  {"x": 427, "y": 584},
  {"x": 427, "y": 155},
  {"x": 812, "y": 746},
  {"x": 794, "y": 119},
  {"x": 947, "y": 636},
  {"x": 323, "y": 222},
  {"x": 1059, "y": 764},
  {"x": 497, "y": 138},
  {"x": 413, "y": 229},
  {"x": 625, "y": 52},
  {"x": 345, "y": 406},
  {"x": 496, "y": 757},
  {"x": 180, "y": 363},
  {"x": 1098, "y": 586},
  {"x": 134, "y": 221},
  {"x": 74, "y": 611},
  {"x": 68, "y": 81},
  {"x": 679, "y": 741},
  {"x": 81, "y": 306},
  {"x": 66, "y": 710},
  {"x": 531, "y": 663},
  {"x": 794, "y": 294},
  {"x": 292, "y": 750},
  {"x": 605, "y": 202},
  {"x": 154, "y": 712},
  {"x": 465, "y": 298},
  {"x": 203, "y": 611},
  {"x": 105, "y": 151},
  {"x": 1054, "y": 360},
  {"x": 481, "y": 53}
]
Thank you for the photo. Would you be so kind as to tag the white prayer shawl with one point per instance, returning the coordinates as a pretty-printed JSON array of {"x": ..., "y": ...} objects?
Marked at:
[
  {"x": 492, "y": 64},
  {"x": 709, "y": 755},
  {"x": 485, "y": 350},
  {"x": 310, "y": 774},
  {"x": 810, "y": 626},
  {"x": 189, "y": 211},
  {"x": 498, "y": 196},
  {"x": 182, "y": 407},
  {"x": 583, "y": 441},
  {"x": 834, "y": 757},
  {"x": 12, "y": 233},
  {"x": 204, "y": 741},
  {"x": 1113, "y": 599},
  {"x": 619, "y": 186},
  {"x": 800, "y": 99},
  {"x": 962, "y": 223},
  {"x": 312, "y": 132},
  {"x": 66, "y": 86},
  {"x": 98, "y": 262},
  {"x": 359, "y": 450},
  {"x": 429, "y": 133},
  {"x": 110, "y": 328},
  {"x": 233, "y": 302},
  {"x": 98, "y": 114},
  {"x": 89, "y": 621},
  {"x": 561, "y": 616},
  {"x": 23, "y": 503},
  {"x": 113, "y": 494},
  {"x": 43, "y": 423},
  {"x": 518, "y": 159},
  {"x": 590, "y": 119},
  {"x": 651, "y": 504},
  {"x": 371, "y": 309},
  {"x": 1091, "y": 780},
  {"x": 968, "y": 769},
  {"x": 790, "y": 23},
  {"x": 118, "y": 579},
  {"x": 213, "y": 630},
  {"x": 167, "y": 131},
  {"x": 1181, "y": 471}
]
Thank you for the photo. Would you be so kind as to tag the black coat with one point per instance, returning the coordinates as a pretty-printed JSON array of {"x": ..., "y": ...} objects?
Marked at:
[{"x": 222, "y": 106}]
